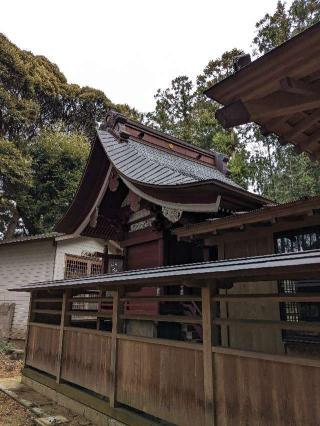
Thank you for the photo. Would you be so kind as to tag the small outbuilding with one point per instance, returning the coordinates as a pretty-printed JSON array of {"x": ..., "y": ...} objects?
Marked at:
[{"x": 36, "y": 258}]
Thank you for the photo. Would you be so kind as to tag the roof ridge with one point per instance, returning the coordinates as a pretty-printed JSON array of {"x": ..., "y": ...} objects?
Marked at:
[
  {"x": 113, "y": 117},
  {"x": 26, "y": 238}
]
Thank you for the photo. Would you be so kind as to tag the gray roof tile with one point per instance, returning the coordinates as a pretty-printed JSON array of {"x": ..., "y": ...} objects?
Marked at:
[{"x": 152, "y": 165}]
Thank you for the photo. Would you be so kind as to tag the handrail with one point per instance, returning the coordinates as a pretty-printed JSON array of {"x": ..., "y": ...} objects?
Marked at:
[
  {"x": 284, "y": 325},
  {"x": 266, "y": 357},
  {"x": 178, "y": 298},
  {"x": 164, "y": 318},
  {"x": 252, "y": 298}
]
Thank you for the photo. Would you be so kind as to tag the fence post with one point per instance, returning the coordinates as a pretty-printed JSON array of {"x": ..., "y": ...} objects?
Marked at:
[
  {"x": 30, "y": 319},
  {"x": 116, "y": 328},
  {"x": 64, "y": 310},
  {"x": 208, "y": 367}
]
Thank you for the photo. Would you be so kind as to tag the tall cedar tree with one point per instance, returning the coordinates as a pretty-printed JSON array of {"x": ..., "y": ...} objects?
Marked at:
[
  {"x": 277, "y": 171},
  {"x": 34, "y": 97},
  {"x": 257, "y": 162},
  {"x": 184, "y": 112}
]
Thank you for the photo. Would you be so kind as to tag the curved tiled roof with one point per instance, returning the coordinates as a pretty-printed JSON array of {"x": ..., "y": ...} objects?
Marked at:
[{"x": 152, "y": 165}]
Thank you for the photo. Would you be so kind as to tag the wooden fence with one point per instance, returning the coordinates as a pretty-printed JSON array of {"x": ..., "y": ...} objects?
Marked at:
[{"x": 179, "y": 382}]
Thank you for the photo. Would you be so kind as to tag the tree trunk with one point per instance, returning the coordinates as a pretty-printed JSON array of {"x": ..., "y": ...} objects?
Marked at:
[{"x": 12, "y": 225}]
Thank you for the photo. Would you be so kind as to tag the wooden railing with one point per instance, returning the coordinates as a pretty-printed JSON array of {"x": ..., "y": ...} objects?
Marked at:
[{"x": 184, "y": 383}]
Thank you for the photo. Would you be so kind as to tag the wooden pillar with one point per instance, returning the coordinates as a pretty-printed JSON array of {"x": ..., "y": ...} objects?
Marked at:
[
  {"x": 64, "y": 310},
  {"x": 99, "y": 310},
  {"x": 116, "y": 328},
  {"x": 224, "y": 308},
  {"x": 30, "y": 319},
  {"x": 208, "y": 366}
]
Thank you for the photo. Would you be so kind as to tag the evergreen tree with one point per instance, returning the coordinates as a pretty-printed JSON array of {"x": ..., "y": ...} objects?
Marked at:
[
  {"x": 277, "y": 171},
  {"x": 183, "y": 111}
]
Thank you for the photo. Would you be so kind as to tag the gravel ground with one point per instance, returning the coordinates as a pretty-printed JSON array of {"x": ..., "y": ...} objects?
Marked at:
[
  {"x": 12, "y": 413},
  {"x": 9, "y": 367}
]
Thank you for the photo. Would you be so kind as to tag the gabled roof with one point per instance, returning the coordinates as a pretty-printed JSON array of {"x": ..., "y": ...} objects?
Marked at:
[
  {"x": 160, "y": 169},
  {"x": 152, "y": 165},
  {"x": 30, "y": 238},
  {"x": 279, "y": 91}
]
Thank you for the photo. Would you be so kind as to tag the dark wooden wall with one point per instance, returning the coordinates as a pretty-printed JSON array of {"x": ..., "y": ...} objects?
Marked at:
[{"x": 254, "y": 241}]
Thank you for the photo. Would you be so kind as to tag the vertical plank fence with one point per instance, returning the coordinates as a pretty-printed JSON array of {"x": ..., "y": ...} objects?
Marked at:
[{"x": 178, "y": 382}]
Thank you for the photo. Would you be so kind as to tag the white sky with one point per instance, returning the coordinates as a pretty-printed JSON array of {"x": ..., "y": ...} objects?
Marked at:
[{"x": 130, "y": 48}]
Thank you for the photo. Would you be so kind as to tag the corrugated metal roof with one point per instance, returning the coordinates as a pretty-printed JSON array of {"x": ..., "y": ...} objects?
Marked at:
[
  {"x": 150, "y": 165},
  {"x": 28, "y": 238},
  {"x": 236, "y": 269}
]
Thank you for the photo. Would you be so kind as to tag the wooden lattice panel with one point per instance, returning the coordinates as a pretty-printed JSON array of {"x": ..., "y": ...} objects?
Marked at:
[{"x": 81, "y": 266}]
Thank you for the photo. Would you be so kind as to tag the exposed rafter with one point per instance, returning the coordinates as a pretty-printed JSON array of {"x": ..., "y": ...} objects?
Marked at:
[
  {"x": 302, "y": 125},
  {"x": 277, "y": 104},
  {"x": 280, "y": 91},
  {"x": 298, "y": 87}
]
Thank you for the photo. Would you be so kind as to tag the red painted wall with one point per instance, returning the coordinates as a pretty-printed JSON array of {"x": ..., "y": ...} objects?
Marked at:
[{"x": 144, "y": 252}]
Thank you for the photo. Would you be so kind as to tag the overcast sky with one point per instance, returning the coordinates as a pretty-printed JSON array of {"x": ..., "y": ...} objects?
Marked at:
[{"x": 130, "y": 48}]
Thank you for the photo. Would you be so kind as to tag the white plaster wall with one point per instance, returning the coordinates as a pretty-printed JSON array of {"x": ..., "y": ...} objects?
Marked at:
[
  {"x": 74, "y": 246},
  {"x": 35, "y": 261},
  {"x": 23, "y": 263}
]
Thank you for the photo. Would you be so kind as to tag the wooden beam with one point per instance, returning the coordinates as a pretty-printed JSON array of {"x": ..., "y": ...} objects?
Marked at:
[
  {"x": 116, "y": 328},
  {"x": 254, "y": 298},
  {"x": 311, "y": 142},
  {"x": 272, "y": 214},
  {"x": 164, "y": 318},
  {"x": 299, "y": 87},
  {"x": 162, "y": 342},
  {"x": 303, "y": 125},
  {"x": 208, "y": 357},
  {"x": 267, "y": 357},
  {"x": 315, "y": 155},
  {"x": 281, "y": 325},
  {"x": 275, "y": 105},
  {"x": 279, "y": 104},
  {"x": 43, "y": 325},
  {"x": 99, "y": 309},
  {"x": 91, "y": 299},
  {"x": 61, "y": 334},
  {"x": 84, "y": 313},
  {"x": 185, "y": 298},
  {"x": 30, "y": 319},
  {"x": 46, "y": 311},
  {"x": 233, "y": 115}
]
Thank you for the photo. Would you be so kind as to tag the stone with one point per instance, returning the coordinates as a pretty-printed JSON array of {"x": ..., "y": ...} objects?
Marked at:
[{"x": 51, "y": 421}]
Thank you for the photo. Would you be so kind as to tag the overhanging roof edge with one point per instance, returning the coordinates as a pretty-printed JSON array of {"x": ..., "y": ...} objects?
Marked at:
[
  {"x": 259, "y": 62},
  {"x": 237, "y": 269}
]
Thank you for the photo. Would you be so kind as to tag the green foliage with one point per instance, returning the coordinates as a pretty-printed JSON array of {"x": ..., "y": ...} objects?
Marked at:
[
  {"x": 272, "y": 30},
  {"x": 34, "y": 98},
  {"x": 58, "y": 159},
  {"x": 256, "y": 161},
  {"x": 284, "y": 23},
  {"x": 277, "y": 171},
  {"x": 15, "y": 180},
  {"x": 184, "y": 112},
  {"x": 6, "y": 347},
  {"x": 35, "y": 94}
]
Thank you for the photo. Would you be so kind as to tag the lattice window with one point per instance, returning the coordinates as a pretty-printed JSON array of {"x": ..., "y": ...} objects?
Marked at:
[
  {"x": 296, "y": 241},
  {"x": 81, "y": 266},
  {"x": 96, "y": 268}
]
